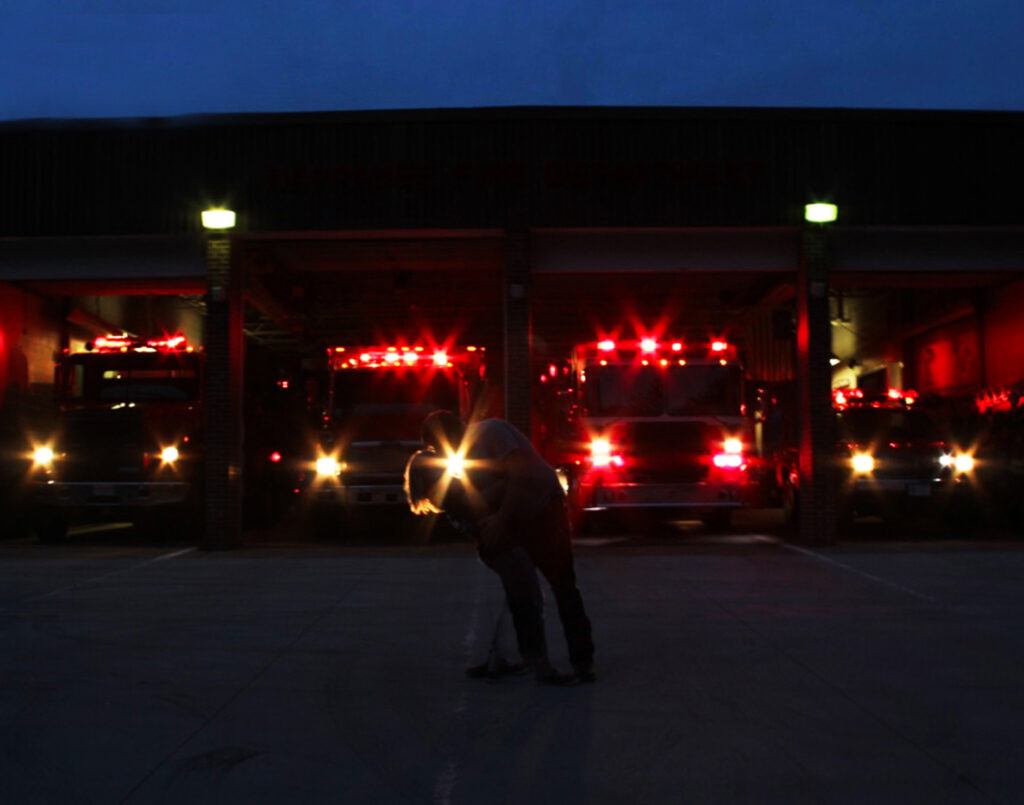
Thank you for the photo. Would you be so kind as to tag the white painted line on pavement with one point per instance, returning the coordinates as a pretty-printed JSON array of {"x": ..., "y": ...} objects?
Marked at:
[
  {"x": 861, "y": 573},
  {"x": 77, "y": 584},
  {"x": 448, "y": 776}
]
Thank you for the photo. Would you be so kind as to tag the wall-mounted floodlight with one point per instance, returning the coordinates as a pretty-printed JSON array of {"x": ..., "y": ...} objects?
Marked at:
[
  {"x": 820, "y": 213},
  {"x": 218, "y": 219}
]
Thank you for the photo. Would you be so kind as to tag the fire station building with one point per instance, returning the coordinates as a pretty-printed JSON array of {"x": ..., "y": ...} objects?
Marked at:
[{"x": 524, "y": 230}]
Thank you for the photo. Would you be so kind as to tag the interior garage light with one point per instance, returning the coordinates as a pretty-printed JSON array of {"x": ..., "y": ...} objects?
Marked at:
[
  {"x": 218, "y": 219},
  {"x": 821, "y": 213}
]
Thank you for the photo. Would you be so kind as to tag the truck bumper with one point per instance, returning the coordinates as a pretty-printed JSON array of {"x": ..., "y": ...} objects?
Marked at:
[
  {"x": 599, "y": 497},
  {"x": 125, "y": 495},
  {"x": 358, "y": 497},
  {"x": 870, "y": 496}
]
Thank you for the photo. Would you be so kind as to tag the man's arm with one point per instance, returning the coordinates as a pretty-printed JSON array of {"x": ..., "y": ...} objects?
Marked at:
[{"x": 516, "y": 493}]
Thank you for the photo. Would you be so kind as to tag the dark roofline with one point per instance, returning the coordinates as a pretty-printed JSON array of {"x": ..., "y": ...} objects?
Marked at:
[{"x": 520, "y": 113}]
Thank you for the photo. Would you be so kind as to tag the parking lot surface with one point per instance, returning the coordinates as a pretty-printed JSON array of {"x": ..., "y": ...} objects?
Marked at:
[{"x": 739, "y": 669}]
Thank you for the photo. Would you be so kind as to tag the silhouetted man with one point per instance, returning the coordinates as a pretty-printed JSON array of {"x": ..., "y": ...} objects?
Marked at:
[{"x": 520, "y": 504}]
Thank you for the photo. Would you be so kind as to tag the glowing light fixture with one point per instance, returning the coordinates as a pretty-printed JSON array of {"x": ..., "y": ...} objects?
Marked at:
[
  {"x": 218, "y": 219},
  {"x": 606, "y": 346},
  {"x": 820, "y": 213},
  {"x": 648, "y": 345}
]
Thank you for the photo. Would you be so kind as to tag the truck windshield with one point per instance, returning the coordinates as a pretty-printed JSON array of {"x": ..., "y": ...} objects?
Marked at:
[
  {"x": 874, "y": 425},
  {"x": 650, "y": 391},
  {"x": 394, "y": 393},
  {"x": 131, "y": 377}
]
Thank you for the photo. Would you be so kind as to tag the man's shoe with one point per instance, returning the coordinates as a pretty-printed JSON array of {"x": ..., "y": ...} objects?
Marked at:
[
  {"x": 546, "y": 674},
  {"x": 557, "y": 678},
  {"x": 495, "y": 667}
]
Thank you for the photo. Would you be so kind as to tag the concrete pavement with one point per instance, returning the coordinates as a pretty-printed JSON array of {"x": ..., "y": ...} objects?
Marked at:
[{"x": 744, "y": 670}]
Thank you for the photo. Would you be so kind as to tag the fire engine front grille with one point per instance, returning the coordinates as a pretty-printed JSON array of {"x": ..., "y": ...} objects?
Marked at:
[
  {"x": 377, "y": 462},
  {"x": 669, "y": 452},
  {"x": 103, "y": 446},
  {"x": 913, "y": 464}
]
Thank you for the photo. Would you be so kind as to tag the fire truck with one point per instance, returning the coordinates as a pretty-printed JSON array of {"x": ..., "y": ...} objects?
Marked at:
[
  {"x": 656, "y": 424},
  {"x": 377, "y": 398},
  {"x": 891, "y": 458},
  {"x": 129, "y": 438}
]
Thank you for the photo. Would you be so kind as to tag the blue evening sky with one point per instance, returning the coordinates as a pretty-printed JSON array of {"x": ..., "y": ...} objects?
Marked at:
[{"x": 129, "y": 58}]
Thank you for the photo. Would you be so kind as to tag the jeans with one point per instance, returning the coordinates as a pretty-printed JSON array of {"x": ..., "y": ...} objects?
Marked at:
[{"x": 544, "y": 543}]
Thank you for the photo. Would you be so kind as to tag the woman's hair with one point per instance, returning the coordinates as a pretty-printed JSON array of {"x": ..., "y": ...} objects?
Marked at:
[
  {"x": 442, "y": 431},
  {"x": 423, "y": 474}
]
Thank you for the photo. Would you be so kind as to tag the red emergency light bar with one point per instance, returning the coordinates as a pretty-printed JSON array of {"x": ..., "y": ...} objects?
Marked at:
[
  {"x": 113, "y": 342},
  {"x": 652, "y": 349},
  {"x": 846, "y": 398},
  {"x": 384, "y": 357}
]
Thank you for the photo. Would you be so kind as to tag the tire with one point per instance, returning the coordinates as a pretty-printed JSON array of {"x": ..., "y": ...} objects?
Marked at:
[
  {"x": 790, "y": 506},
  {"x": 717, "y": 519},
  {"x": 52, "y": 527}
]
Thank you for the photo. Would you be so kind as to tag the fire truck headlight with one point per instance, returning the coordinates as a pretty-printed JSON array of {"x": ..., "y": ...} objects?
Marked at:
[
  {"x": 946, "y": 460},
  {"x": 327, "y": 466},
  {"x": 455, "y": 465},
  {"x": 863, "y": 463},
  {"x": 169, "y": 455},
  {"x": 963, "y": 462},
  {"x": 43, "y": 456}
]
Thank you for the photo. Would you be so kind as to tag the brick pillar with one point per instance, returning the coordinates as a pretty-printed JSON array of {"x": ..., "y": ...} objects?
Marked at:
[
  {"x": 814, "y": 380},
  {"x": 223, "y": 341},
  {"x": 517, "y": 329}
]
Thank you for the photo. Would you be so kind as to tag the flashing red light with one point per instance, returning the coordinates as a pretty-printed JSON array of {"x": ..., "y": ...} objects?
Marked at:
[
  {"x": 393, "y": 357},
  {"x": 719, "y": 346},
  {"x": 649, "y": 345},
  {"x": 895, "y": 394},
  {"x": 606, "y": 346},
  {"x": 275, "y": 457},
  {"x": 843, "y": 397},
  {"x": 677, "y": 346},
  {"x": 602, "y": 457},
  {"x": 728, "y": 461},
  {"x": 111, "y": 342},
  {"x": 553, "y": 370},
  {"x": 283, "y": 384},
  {"x": 126, "y": 343},
  {"x": 167, "y": 344}
]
